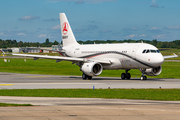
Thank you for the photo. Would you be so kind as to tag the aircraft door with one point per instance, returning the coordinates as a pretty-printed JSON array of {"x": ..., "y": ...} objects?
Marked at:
[
  {"x": 134, "y": 50},
  {"x": 77, "y": 52}
]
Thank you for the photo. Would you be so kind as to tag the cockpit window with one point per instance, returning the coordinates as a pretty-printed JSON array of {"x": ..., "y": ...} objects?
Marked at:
[
  {"x": 144, "y": 51},
  {"x": 153, "y": 51},
  {"x": 147, "y": 51},
  {"x": 150, "y": 51}
]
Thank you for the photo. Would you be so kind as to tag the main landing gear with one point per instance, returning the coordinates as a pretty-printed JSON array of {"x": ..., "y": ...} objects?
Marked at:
[
  {"x": 143, "y": 77},
  {"x": 126, "y": 75},
  {"x": 84, "y": 77}
]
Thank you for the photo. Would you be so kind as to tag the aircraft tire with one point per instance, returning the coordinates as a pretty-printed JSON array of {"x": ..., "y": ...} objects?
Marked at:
[
  {"x": 123, "y": 76},
  {"x": 89, "y": 77},
  {"x": 128, "y": 76},
  {"x": 143, "y": 78},
  {"x": 84, "y": 76}
]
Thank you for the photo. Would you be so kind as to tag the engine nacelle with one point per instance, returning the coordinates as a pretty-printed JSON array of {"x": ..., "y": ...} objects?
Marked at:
[
  {"x": 92, "y": 68},
  {"x": 153, "y": 71}
]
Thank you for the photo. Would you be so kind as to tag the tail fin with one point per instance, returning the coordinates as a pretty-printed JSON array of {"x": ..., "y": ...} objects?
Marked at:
[{"x": 67, "y": 34}]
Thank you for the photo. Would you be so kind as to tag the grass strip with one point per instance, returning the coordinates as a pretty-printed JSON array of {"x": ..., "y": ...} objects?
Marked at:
[
  {"x": 9, "y": 105},
  {"x": 50, "y": 67},
  {"x": 143, "y": 94}
]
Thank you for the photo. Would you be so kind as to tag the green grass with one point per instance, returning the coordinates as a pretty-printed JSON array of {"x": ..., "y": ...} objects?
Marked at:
[
  {"x": 9, "y": 105},
  {"x": 170, "y": 52},
  {"x": 42, "y": 66},
  {"x": 143, "y": 94},
  {"x": 50, "y": 67}
]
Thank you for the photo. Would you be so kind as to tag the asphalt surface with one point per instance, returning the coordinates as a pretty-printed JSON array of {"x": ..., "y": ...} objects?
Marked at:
[
  {"x": 33, "y": 81},
  {"x": 51, "y": 101},
  {"x": 48, "y": 108}
]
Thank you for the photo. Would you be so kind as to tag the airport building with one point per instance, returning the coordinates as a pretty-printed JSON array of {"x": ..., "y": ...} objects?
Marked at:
[{"x": 32, "y": 49}]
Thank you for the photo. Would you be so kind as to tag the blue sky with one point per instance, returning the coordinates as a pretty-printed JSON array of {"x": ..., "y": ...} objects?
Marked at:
[{"x": 36, "y": 20}]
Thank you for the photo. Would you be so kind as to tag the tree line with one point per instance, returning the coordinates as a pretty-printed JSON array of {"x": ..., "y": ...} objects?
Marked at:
[
  {"x": 158, "y": 44},
  {"x": 47, "y": 43},
  {"x": 14, "y": 43}
]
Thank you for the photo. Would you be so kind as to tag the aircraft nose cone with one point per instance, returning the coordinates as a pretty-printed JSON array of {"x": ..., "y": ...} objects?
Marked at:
[{"x": 158, "y": 60}]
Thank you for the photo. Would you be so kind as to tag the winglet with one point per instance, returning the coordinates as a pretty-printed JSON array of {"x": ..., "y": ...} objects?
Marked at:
[
  {"x": 175, "y": 55},
  {"x": 170, "y": 56}
]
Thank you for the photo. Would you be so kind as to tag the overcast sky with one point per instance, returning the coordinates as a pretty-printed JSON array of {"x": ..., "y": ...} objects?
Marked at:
[{"x": 36, "y": 20}]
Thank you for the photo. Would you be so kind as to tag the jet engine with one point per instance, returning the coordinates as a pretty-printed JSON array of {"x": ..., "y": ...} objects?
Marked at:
[
  {"x": 92, "y": 68},
  {"x": 153, "y": 71}
]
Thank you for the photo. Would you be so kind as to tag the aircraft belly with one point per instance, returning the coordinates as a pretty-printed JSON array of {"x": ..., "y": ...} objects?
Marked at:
[
  {"x": 129, "y": 64},
  {"x": 115, "y": 63}
]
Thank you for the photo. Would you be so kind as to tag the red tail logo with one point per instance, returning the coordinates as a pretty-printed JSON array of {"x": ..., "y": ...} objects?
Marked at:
[{"x": 65, "y": 28}]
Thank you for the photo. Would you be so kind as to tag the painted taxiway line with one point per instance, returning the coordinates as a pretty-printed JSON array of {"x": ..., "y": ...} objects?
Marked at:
[
  {"x": 36, "y": 76},
  {"x": 6, "y": 84},
  {"x": 55, "y": 83}
]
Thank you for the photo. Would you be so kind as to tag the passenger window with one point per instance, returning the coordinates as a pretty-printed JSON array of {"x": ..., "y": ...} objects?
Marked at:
[
  {"x": 144, "y": 51},
  {"x": 147, "y": 51}
]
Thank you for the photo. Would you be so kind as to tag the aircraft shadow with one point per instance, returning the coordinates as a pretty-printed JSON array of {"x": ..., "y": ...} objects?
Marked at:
[{"x": 111, "y": 78}]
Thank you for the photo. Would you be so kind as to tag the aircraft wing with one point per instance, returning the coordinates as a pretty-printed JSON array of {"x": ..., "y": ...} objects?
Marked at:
[
  {"x": 61, "y": 51},
  {"x": 170, "y": 56},
  {"x": 58, "y": 58}
]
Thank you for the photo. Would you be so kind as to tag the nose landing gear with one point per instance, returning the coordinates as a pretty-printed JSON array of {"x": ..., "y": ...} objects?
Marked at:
[{"x": 143, "y": 77}]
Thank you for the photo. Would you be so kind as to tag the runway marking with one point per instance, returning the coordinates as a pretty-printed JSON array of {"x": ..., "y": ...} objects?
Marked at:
[
  {"x": 36, "y": 76},
  {"x": 55, "y": 83},
  {"x": 6, "y": 84}
]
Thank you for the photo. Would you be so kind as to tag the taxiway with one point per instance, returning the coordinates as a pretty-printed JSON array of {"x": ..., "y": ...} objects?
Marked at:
[
  {"x": 34, "y": 81},
  {"x": 84, "y": 108},
  {"x": 88, "y": 108}
]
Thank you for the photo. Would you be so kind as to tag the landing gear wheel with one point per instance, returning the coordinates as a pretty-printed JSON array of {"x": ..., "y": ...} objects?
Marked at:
[
  {"x": 89, "y": 77},
  {"x": 128, "y": 76},
  {"x": 84, "y": 76},
  {"x": 143, "y": 72},
  {"x": 123, "y": 76},
  {"x": 143, "y": 78}
]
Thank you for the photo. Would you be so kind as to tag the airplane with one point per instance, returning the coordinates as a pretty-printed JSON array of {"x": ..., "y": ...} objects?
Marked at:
[{"x": 94, "y": 58}]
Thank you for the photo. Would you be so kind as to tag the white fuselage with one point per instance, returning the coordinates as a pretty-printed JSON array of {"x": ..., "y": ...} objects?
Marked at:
[{"x": 122, "y": 56}]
